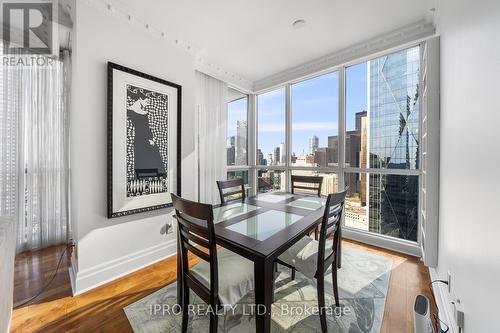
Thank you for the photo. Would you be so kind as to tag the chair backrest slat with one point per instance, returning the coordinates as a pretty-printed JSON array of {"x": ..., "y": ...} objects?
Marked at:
[
  {"x": 330, "y": 226},
  {"x": 200, "y": 254},
  {"x": 232, "y": 183},
  {"x": 196, "y": 234},
  {"x": 192, "y": 226},
  {"x": 195, "y": 239},
  {"x": 314, "y": 181},
  {"x": 331, "y": 230}
]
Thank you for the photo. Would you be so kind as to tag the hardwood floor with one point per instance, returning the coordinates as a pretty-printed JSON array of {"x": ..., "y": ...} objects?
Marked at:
[{"x": 101, "y": 309}]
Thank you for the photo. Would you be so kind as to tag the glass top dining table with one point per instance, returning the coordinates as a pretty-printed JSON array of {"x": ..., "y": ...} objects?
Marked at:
[{"x": 262, "y": 227}]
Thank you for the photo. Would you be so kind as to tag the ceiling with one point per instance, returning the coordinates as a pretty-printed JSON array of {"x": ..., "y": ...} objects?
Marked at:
[{"x": 255, "y": 39}]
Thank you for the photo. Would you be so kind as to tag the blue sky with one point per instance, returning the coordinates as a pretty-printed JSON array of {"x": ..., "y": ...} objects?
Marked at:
[{"x": 314, "y": 110}]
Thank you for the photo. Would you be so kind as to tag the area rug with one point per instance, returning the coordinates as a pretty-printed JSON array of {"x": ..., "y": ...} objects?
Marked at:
[{"x": 363, "y": 283}]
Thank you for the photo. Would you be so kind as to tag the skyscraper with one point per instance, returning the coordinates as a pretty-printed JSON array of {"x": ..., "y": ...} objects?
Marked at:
[
  {"x": 320, "y": 157},
  {"x": 393, "y": 199},
  {"x": 282, "y": 153},
  {"x": 276, "y": 157},
  {"x": 313, "y": 144},
  {"x": 333, "y": 150},
  {"x": 260, "y": 157},
  {"x": 230, "y": 149},
  {"x": 241, "y": 143},
  {"x": 353, "y": 152}
]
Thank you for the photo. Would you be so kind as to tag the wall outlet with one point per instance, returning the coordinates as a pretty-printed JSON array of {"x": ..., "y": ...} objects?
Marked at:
[
  {"x": 169, "y": 228},
  {"x": 449, "y": 282}
]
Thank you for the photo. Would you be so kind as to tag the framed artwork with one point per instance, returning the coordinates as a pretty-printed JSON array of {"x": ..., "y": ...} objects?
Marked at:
[{"x": 144, "y": 141}]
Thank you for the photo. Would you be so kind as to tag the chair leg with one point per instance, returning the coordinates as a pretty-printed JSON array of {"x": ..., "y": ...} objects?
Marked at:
[
  {"x": 293, "y": 274},
  {"x": 321, "y": 303},
  {"x": 316, "y": 233},
  {"x": 335, "y": 284},
  {"x": 185, "y": 304},
  {"x": 213, "y": 322}
]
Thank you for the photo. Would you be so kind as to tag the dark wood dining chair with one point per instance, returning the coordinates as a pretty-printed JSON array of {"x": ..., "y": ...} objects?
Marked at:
[
  {"x": 310, "y": 184},
  {"x": 313, "y": 258},
  {"x": 237, "y": 191},
  {"x": 214, "y": 278}
]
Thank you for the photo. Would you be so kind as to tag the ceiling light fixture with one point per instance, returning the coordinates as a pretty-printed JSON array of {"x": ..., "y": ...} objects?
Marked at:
[{"x": 299, "y": 23}]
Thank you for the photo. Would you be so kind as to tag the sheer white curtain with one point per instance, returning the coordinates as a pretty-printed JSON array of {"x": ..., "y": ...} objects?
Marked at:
[
  {"x": 211, "y": 110},
  {"x": 37, "y": 94},
  {"x": 8, "y": 144}
]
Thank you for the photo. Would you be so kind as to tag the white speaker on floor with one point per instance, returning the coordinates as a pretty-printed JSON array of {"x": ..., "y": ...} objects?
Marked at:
[{"x": 421, "y": 315}]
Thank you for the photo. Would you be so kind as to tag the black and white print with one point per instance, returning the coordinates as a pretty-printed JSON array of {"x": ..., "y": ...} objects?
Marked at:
[{"x": 147, "y": 141}]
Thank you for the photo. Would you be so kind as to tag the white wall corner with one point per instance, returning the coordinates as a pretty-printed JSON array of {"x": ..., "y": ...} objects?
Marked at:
[
  {"x": 441, "y": 295},
  {"x": 87, "y": 279}
]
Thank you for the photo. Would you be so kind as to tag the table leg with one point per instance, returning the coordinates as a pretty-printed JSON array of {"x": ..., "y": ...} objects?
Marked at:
[{"x": 263, "y": 270}]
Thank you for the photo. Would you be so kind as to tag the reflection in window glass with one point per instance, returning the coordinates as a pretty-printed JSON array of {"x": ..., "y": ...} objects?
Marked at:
[
  {"x": 236, "y": 145},
  {"x": 271, "y": 128},
  {"x": 382, "y": 112},
  {"x": 271, "y": 180},
  {"x": 330, "y": 180},
  {"x": 394, "y": 110},
  {"x": 383, "y": 204},
  {"x": 315, "y": 121}
]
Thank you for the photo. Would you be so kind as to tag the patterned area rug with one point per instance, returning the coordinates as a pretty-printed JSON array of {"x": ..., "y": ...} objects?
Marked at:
[{"x": 363, "y": 282}]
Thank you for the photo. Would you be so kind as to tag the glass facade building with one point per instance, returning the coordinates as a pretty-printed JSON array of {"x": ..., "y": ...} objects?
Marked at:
[{"x": 394, "y": 143}]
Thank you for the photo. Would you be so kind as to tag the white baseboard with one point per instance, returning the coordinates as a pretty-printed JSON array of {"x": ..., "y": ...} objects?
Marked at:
[
  {"x": 87, "y": 279},
  {"x": 443, "y": 301}
]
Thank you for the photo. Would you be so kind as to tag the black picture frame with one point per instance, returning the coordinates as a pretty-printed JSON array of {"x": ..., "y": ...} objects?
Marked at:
[{"x": 111, "y": 67}]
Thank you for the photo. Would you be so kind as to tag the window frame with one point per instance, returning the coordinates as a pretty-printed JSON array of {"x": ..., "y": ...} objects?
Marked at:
[{"x": 341, "y": 169}]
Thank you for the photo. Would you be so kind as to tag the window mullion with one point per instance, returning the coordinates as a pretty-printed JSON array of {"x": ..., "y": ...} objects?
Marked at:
[
  {"x": 252, "y": 140},
  {"x": 341, "y": 127},
  {"x": 288, "y": 133}
]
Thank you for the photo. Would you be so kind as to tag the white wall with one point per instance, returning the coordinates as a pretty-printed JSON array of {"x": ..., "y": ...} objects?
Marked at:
[
  {"x": 7, "y": 251},
  {"x": 108, "y": 248},
  {"x": 469, "y": 233}
]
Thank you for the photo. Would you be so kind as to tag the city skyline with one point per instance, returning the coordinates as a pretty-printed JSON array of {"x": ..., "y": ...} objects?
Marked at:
[
  {"x": 384, "y": 134},
  {"x": 314, "y": 110}
]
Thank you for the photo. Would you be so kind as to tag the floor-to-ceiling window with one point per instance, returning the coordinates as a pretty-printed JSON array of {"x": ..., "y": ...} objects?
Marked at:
[
  {"x": 368, "y": 140},
  {"x": 314, "y": 111},
  {"x": 271, "y": 154},
  {"x": 382, "y": 144},
  {"x": 237, "y": 136}
]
